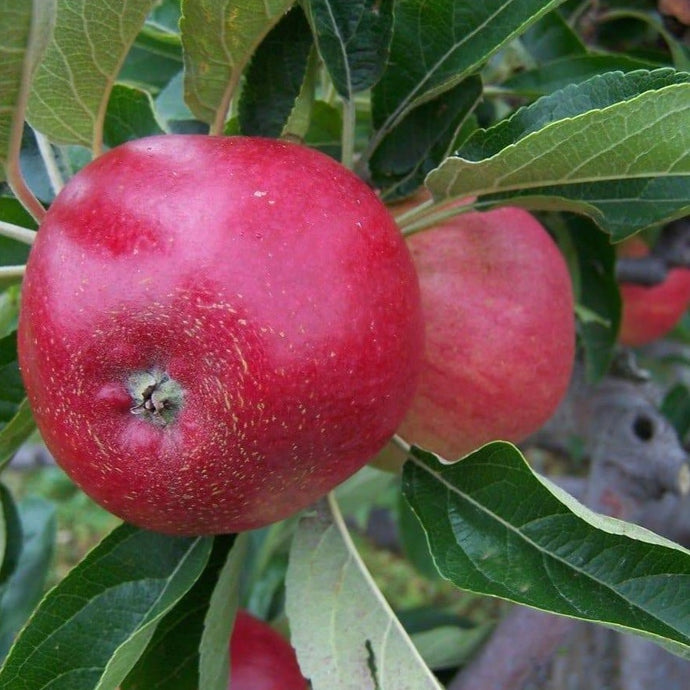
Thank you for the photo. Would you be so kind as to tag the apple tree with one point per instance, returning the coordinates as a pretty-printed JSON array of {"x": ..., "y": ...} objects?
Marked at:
[{"x": 306, "y": 293}]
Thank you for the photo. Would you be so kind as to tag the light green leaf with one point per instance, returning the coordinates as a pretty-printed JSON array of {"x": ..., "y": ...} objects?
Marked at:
[
  {"x": 214, "y": 664},
  {"x": 345, "y": 634},
  {"x": 616, "y": 148},
  {"x": 74, "y": 80},
  {"x": 437, "y": 44},
  {"x": 25, "y": 27},
  {"x": 219, "y": 38},
  {"x": 121, "y": 589},
  {"x": 496, "y": 528},
  {"x": 353, "y": 37}
]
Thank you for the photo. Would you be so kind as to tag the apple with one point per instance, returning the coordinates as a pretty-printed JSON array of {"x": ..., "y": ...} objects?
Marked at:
[
  {"x": 216, "y": 331},
  {"x": 649, "y": 312},
  {"x": 500, "y": 331},
  {"x": 261, "y": 658}
]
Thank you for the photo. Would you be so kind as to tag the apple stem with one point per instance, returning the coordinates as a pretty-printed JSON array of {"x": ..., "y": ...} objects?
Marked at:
[
  {"x": 348, "y": 135},
  {"x": 155, "y": 396}
]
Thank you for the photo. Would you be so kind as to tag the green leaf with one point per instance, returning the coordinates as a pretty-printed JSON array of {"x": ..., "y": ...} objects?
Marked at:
[
  {"x": 130, "y": 115},
  {"x": 214, "y": 661},
  {"x": 558, "y": 74},
  {"x": 27, "y": 584},
  {"x": 325, "y": 129},
  {"x": 596, "y": 289},
  {"x": 119, "y": 593},
  {"x": 15, "y": 431},
  {"x": 551, "y": 38},
  {"x": 353, "y": 37},
  {"x": 172, "y": 658},
  {"x": 615, "y": 148},
  {"x": 218, "y": 40},
  {"x": 422, "y": 139},
  {"x": 496, "y": 528},
  {"x": 10, "y": 536},
  {"x": 676, "y": 408},
  {"x": 344, "y": 632},
  {"x": 11, "y": 386},
  {"x": 25, "y": 27},
  {"x": 275, "y": 76},
  {"x": 74, "y": 80},
  {"x": 436, "y": 45}
]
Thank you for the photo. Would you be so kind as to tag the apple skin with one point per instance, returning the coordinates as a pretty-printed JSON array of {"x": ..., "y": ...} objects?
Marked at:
[
  {"x": 649, "y": 312},
  {"x": 266, "y": 280},
  {"x": 500, "y": 331},
  {"x": 260, "y": 658}
]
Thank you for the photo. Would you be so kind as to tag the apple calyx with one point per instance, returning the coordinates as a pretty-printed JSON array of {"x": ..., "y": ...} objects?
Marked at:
[{"x": 155, "y": 396}]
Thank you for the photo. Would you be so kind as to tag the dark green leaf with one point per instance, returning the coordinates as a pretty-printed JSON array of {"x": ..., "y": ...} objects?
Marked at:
[
  {"x": 275, "y": 76},
  {"x": 171, "y": 659},
  {"x": 15, "y": 431},
  {"x": 436, "y": 45},
  {"x": 129, "y": 116},
  {"x": 91, "y": 629},
  {"x": 571, "y": 70},
  {"x": 218, "y": 40},
  {"x": 616, "y": 148},
  {"x": 10, "y": 536},
  {"x": 597, "y": 292},
  {"x": 353, "y": 37},
  {"x": 551, "y": 38},
  {"x": 26, "y": 586},
  {"x": 496, "y": 528},
  {"x": 11, "y": 386},
  {"x": 676, "y": 408},
  {"x": 422, "y": 139}
]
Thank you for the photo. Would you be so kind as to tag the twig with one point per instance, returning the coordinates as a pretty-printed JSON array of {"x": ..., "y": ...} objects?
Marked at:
[{"x": 17, "y": 232}]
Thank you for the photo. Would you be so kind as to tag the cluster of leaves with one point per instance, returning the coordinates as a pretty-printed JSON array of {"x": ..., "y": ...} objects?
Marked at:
[{"x": 535, "y": 103}]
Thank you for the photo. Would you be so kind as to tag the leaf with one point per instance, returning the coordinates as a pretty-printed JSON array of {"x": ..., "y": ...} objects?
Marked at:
[
  {"x": 130, "y": 115},
  {"x": 551, "y": 38},
  {"x": 172, "y": 658},
  {"x": 77, "y": 73},
  {"x": 325, "y": 129},
  {"x": 214, "y": 664},
  {"x": 15, "y": 431},
  {"x": 496, "y": 528},
  {"x": 345, "y": 634},
  {"x": 10, "y": 536},
  {"x": 676, "y": 408},
  {"x": 436, "y": 45},
  {"x": 597, "y": 291},
  {"x": 615, "y": 148},
  {"x": 353, "y": 38},
  {"x": 558, "y": 74},
  {"x": 25, "y": 27},
  {"x": 218, "y": 39},
  {"x": 11, "y": 386},
  {"x": 422, "y": 139},
  {"x": 121, "y": 590},
  {"x": 275, "y": 76},
  {"x": 26, "y": 586}
]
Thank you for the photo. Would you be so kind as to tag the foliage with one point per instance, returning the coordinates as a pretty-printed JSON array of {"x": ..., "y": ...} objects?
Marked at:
[{"x": 539, "y": 104}]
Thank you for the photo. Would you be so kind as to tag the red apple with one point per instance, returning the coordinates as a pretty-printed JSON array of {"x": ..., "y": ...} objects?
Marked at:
[
  {"x": 216, "y": 331},
  {"x": 261, "y": 659},
  {"x": 500, "y": 331},
  {"x": 650, "y": 312}
]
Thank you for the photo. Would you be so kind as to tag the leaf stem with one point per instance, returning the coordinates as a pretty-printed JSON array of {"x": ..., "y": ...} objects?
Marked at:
[
  {"x": 12, "y": 271},
  {"x": 429, "y": 214},
  {"x": 17, "y": 232},
  {"x": 348, "y": 137},
  {"x": 48, "y": 155}
]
